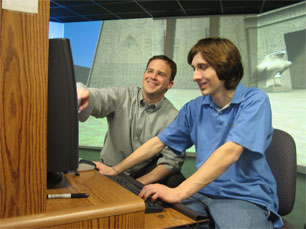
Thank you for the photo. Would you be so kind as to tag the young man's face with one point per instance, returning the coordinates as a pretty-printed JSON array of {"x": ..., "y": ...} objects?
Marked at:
[
  {"x": 206, "y": 76},
  {"x": 156, "y": 79}
]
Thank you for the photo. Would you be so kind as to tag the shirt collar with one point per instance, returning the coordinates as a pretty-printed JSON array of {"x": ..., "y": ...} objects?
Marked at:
[
  {"x": 238, "y": 97},
  {"x": 143, "y": 103}
]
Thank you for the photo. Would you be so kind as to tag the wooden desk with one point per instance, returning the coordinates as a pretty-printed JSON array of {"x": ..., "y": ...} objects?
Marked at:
[
  {"x": 108, "y": 206},
  {"x": 168, "y": 218}
]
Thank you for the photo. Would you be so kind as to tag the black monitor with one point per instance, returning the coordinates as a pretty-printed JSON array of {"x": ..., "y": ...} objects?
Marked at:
[{"x": 62, "y": 125}]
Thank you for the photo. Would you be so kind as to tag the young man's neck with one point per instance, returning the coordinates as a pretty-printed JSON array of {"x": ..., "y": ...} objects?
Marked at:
[{"x": 222, "y": 99}]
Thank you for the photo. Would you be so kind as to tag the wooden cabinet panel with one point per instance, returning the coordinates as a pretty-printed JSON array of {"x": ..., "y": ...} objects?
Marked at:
[{"x": 23, "y": 110}]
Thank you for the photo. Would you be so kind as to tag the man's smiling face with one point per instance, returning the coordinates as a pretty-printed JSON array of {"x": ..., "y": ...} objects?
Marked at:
[{"x": 156, "y": 79}]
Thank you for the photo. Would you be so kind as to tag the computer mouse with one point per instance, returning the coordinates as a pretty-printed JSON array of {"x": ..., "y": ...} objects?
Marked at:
[{"x": 86, "y": 165}]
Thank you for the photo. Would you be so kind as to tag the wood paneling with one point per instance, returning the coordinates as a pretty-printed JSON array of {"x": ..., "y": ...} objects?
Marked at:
[
  {"x": 23, "y": 110},
  {"x": 168, "y": 218},
  {"x": 63, "y": 219},
  {"x": 134, "y": 220},
  {"x": 108, "y": 206}
]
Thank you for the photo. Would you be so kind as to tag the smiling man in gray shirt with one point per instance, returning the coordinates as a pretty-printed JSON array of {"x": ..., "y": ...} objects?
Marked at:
[{"x": 135, "y": 115}]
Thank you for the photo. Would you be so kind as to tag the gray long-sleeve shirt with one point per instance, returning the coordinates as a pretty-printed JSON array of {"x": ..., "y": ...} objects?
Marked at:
[{"x": 131, "y": 122}]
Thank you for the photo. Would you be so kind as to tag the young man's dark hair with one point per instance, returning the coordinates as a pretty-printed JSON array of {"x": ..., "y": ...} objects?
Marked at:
[
  {"x": 171, "y": 63},
  {"x": 223, "y": 56}
]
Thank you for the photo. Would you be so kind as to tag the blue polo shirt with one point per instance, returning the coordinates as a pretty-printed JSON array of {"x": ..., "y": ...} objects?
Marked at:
[{"x": 246, "y": 121}]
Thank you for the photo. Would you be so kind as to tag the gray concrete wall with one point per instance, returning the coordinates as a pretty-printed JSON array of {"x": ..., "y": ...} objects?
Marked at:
[{"x": 124, "y": 46}]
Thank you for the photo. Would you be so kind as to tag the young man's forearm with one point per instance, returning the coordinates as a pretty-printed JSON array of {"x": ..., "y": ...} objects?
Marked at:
[
  {"x": 158, "y": 173},
  {"x": 144, "y": 152},
  {"x": 215, "y": 166}
]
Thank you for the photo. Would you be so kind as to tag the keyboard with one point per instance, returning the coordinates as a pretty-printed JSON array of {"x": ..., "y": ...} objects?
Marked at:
[
  {"x": 135, "y": 187},
  {"x": 151, "y": 207}
]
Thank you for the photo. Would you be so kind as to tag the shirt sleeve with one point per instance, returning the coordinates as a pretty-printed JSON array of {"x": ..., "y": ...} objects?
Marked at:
[
  {"x": 252, "y": 127},
  {"x": 102, "y": 102},
  {"x": 170, "y": 160},
  {"x": 177, "y": 135}
]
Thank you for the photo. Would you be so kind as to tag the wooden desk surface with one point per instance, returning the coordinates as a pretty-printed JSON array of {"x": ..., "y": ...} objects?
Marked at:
[
  {"x": 93, "y": 182},
  {"x": 108, "y": 206},
  {"x": 109, "y": 194},
  {"x": 168, "y": 218},
  {"x": 102, "y": 193}
]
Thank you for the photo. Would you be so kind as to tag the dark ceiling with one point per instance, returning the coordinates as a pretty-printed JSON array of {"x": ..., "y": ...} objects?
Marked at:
[{"x": 95, "y": 10}]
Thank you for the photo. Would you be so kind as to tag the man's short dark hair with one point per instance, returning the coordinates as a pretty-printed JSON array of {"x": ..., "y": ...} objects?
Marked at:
[
  {"x": 223, "y": 56},
  {"x": 169, "y": 61}
]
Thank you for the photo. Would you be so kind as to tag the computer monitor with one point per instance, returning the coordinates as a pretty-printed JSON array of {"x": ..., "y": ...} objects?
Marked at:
[{"x": 62, "y": 124}]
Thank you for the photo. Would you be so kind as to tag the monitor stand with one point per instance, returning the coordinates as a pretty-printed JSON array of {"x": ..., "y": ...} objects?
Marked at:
[{"x": 56, "y": 180}]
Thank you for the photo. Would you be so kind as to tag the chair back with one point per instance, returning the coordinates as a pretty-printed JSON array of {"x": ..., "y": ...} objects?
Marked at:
[{"x": 281, "y": 157}]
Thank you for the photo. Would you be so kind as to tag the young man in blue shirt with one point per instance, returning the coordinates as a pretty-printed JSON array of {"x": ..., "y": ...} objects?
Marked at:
[{"x": 231, "y": 127}]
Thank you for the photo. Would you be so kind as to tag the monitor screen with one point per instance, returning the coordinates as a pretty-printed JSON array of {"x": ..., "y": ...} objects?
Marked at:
[{"x": 62, "y": 124}]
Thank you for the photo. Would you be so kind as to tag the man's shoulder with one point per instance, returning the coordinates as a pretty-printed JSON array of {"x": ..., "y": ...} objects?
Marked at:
[
  {"x": 169, "y": 106},
  {"x": 129, "y": 91},
  {"x": 249, "y": 95},
  {"x": 254, "y": 93},
  {"x": 126, "y": 88},
  {"x": 195, "y": 103},
  {"x": 255, "y": 98}
]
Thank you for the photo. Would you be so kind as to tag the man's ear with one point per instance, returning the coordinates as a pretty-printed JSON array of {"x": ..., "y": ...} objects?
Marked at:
[{"x": 170, "y": 85}]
